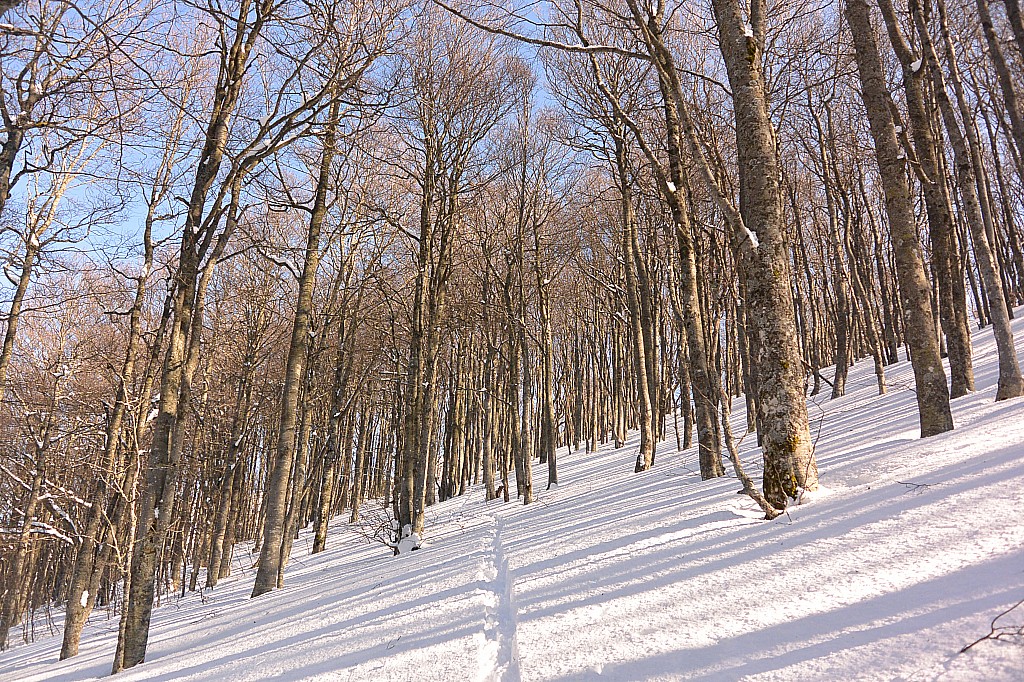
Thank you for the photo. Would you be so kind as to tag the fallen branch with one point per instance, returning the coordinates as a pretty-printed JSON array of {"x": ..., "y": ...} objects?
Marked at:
[
  {"x": 770, "y": 512},
  {"x": 1001, "y": 632}
]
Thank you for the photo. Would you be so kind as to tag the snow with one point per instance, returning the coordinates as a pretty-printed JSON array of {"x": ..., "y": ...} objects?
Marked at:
[
  {"x": 41, "y": 528},
  {"x": 14, "y": 477},
  {"x": 748, "y": 30},
  {"x": 409, "y": 542},
  {"x": 904, "y": 556},
  {"x": 751, "y": 236},
  {"x": 84, "y": 601},
  {"x": 916, "y": 66},
  {"x": 58, "y": 511},
  {"x": 671, "y": 186},
  {"x": 286, "y": 263}
]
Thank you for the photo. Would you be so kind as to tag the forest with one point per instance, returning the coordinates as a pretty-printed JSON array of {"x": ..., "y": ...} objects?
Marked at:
[{"x": 275, "y": 265}]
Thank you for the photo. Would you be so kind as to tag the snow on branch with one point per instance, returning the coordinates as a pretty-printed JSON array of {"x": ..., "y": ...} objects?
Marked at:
[{"x": 15, "y": 477}]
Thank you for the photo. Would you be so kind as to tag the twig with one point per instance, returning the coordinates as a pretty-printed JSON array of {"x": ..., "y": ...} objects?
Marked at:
[
  {"x": 1003, "y": 631},
  {"x": 915, "y": 487}
]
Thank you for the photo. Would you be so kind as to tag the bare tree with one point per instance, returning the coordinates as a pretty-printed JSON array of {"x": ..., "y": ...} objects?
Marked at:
[
  {"x": 930, "y": 378},
  {"x": 446, "y": 132}
]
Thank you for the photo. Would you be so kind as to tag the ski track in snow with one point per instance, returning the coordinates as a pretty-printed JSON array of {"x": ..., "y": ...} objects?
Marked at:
[
  {"x": 906, "y": 554},
  {"x": 499, "y": 652}
]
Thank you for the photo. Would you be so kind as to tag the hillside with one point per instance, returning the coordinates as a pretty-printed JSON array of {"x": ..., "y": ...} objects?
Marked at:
[{"x": 905, "y": 556}]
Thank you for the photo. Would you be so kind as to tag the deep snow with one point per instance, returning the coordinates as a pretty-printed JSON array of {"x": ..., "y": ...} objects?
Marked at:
[{"x": 906, "y": 554}]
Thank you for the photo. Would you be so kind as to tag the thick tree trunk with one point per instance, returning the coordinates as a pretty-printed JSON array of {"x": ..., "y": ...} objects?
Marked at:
[
  {"x": 297, "y": 489},
  {"x": 967, "y": 163},
  {"x": 157, "y": 503},
  {"x": 922, "y": 340},
  {"x": 1016, "y": 23},
  {"x": 789, "y": 462},
  {"x": 8, "y": 157},
  {"x": 160, "y": 476},
  {"x": 945, "y": 258}
]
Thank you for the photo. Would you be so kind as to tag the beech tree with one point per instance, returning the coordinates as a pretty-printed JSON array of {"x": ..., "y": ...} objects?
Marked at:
[
  {"x": 296, "y": 265},
  {"x": 922, "y": 339},
  {"x": 347, "y": 53},
  {"x": 445, "y": 134}
]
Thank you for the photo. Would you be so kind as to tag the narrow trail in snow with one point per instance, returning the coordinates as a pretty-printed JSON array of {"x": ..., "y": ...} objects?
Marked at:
[{"x": 499, "y": 652}]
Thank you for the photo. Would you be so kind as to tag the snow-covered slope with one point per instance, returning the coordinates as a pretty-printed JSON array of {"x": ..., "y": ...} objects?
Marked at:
[{"x": 906, "y": 555}]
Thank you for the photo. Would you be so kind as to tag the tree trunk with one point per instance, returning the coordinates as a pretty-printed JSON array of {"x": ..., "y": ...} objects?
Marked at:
[
  {"x": 967, "y": 165},
  {"x": 1003, "y": 75},
  {"x": 789, "y": 462},
  {"x": 945, "y": 258},
  {"x": 548, "y": 432},
  {"x": 270, "y": 561},
  {"x": 922, "y": 341},
  {"x": 630, "y": 257},
  {"x": 14, "y": 313},
  {"x": 12, "y": 605},
  {"x": 86, "y": 570}
]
